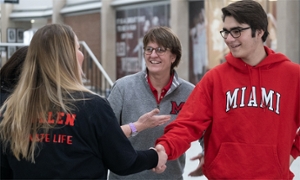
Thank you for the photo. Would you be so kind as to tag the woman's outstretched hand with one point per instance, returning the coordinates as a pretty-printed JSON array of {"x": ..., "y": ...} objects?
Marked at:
[{"x": 151, "y": 119}]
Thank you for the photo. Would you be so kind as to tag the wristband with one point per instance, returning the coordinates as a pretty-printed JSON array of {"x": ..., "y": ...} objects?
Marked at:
[{"x": 134, "y": 131}]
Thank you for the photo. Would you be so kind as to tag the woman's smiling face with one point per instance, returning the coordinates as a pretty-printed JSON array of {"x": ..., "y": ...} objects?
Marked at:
[{"x": 159, "y": 63}]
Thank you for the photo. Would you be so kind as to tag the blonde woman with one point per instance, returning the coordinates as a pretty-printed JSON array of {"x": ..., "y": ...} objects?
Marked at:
[{"x": 53, "y": 127}]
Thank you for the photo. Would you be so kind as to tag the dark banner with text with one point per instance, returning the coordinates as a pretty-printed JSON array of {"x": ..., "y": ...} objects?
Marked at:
[{"x": 131, "y": 25}]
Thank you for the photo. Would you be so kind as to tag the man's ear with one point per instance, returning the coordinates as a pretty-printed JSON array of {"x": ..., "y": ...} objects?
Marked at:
[{"x": 260, "y": 32}]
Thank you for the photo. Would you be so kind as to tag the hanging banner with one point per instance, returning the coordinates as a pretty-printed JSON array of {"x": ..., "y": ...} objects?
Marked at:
[{"x": 198, "y": 54}]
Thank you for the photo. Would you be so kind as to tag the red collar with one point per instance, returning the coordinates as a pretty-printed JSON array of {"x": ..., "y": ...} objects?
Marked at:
[{"x": 163, "y": 91}]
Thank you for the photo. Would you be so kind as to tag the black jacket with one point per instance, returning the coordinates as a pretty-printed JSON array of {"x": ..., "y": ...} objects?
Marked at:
[{"x": 83, "y": 145}]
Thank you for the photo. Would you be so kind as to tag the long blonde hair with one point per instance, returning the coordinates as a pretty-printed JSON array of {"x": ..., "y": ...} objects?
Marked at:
[{"x": 49, "y": 76}]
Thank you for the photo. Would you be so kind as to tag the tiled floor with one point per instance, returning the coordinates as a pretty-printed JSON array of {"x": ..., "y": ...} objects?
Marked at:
[{"x": 195, "y": 149}]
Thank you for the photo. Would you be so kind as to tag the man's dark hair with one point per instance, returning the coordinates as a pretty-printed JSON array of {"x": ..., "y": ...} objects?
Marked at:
[{"x": 248, "y": 12}]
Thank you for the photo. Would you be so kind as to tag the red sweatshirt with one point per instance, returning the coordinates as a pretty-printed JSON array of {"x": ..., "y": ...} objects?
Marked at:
[{"x": 250, "y": 115}]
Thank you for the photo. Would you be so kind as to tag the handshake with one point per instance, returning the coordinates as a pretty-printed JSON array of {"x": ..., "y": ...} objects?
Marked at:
[{"x": 162, "y": 159}]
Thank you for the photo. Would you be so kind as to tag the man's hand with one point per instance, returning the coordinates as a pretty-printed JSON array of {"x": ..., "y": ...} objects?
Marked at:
[
  {"x": 198, "y": 171},
  {"x": 151, "y": 119},
  {"x": 162, "y": 159}
]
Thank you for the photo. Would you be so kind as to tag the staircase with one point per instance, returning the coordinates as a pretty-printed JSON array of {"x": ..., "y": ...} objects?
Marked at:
[{"x": 95, "y": 77}]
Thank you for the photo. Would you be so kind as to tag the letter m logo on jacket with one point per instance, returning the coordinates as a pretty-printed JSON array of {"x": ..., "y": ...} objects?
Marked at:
[{"x": 176, "y": 108}]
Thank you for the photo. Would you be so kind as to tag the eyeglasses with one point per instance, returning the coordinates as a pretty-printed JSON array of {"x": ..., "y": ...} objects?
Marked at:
[
  {"x": 235, "y": 33},
  {"x": 159, "y": 51}
]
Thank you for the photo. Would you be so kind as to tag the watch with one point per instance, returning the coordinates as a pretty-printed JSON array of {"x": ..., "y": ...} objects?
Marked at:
[{"x": 134, "y": 131}]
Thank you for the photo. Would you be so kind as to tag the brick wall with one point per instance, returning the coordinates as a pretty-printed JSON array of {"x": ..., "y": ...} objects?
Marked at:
[{"x": 87, "y": 28}]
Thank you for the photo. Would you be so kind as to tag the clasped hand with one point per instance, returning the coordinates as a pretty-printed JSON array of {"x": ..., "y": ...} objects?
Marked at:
[{"x": 162, "y": 159}]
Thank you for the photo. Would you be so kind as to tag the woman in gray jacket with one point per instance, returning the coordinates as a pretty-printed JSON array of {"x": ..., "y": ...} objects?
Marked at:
[{"x": 158, "y": 88}]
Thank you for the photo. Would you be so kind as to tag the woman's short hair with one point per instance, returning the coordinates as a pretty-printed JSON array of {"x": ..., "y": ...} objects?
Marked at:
[{"x": 166, "y": 38}]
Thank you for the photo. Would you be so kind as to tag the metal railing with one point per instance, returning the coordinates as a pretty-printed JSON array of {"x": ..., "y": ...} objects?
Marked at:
[{"x": 95, "y": 77}]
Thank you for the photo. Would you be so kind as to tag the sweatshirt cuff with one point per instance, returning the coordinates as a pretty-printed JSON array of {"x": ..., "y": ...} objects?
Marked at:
[
  {"x": 155, "y": 160},
  {"x": 295, "y": 153},
  {"x": 165, "y": 145}
]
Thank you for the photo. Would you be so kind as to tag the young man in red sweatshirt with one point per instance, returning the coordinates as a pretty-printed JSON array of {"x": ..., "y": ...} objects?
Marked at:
[{"x": 249, "y": 106}]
